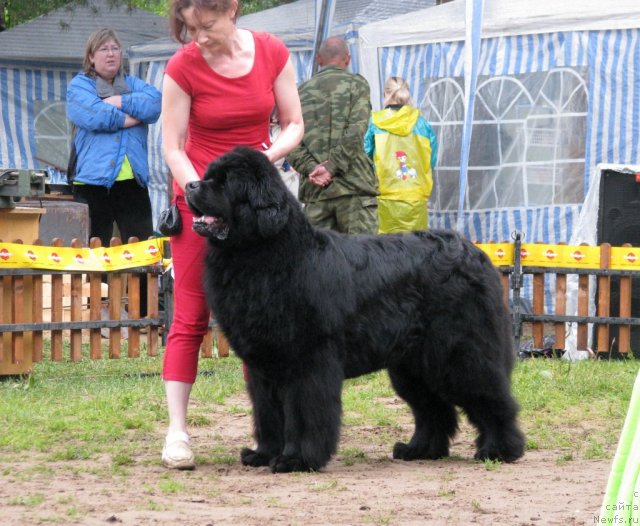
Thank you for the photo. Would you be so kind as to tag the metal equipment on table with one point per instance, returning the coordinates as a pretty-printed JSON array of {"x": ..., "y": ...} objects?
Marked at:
[
  {"x": 28, "y": 192},
  {"x": 15, "y": 184}
]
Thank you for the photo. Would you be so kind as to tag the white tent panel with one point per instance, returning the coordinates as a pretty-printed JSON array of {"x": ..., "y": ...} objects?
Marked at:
[
  {"x": 558, "y": 92},
  {"x": 501, "y": 18}
]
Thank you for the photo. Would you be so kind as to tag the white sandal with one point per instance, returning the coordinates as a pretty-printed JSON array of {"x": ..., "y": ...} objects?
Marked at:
[{"x": 176, "y": 453}]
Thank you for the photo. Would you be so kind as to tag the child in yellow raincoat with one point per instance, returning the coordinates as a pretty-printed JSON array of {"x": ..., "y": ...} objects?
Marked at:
[{"x": 404, "y": 150}]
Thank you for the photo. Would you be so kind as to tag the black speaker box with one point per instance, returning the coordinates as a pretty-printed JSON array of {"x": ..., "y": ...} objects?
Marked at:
[{"x": 619, "y": 223}]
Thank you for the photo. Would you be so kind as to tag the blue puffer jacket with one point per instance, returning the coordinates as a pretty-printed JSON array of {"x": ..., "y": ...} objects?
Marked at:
[{"x": 101, "y": 141}]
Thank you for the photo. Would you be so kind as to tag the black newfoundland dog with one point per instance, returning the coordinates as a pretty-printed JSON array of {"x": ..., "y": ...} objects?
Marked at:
[{"x": 306, "y": 308}]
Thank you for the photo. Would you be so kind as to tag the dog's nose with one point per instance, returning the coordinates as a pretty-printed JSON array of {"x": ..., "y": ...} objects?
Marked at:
[{"x": 192, "y": 185}]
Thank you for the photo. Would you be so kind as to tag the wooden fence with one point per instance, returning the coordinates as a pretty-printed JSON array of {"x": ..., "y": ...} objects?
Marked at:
[
  {"x": 38, "y": 304},
  {"x": 85, "y": 308},
  {"x": 609, "y": 282}
]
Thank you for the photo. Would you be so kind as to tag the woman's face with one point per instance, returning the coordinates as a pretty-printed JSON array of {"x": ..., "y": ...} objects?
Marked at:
[
  {"x": 107, "y": 59},
  {"x": 209, "y": 29}
]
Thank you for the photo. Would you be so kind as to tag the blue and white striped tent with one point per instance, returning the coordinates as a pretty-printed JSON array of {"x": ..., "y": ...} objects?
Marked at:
[
  {"x": 557, "y": 93},
  {"x": 295, "y": 25}
]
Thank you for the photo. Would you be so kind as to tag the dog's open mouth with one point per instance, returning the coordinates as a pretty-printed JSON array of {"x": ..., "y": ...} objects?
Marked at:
[{"x": 211, "y": 226}]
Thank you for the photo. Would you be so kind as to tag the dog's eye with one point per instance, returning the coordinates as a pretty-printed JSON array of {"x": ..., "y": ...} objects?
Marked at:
[{"x": 221, "y": 179}]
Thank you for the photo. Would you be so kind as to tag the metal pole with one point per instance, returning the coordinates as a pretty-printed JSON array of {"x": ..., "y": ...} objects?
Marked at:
[{"x": 320, "y": 26}]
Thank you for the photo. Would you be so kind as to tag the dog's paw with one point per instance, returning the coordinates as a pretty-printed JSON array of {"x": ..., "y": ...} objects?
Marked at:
[
  {"x": 402, "y": 451},
  {"x": 508, "y": 447},
  {"x": 253, "y": 458},
  {"x": 496, "y": 454},
  {"x": 288, "y": 464}
]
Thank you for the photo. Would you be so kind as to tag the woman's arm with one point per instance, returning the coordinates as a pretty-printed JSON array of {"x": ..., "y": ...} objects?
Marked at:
[
  {"x": 289, "y": 114},
  {"x": 86, "y": 110},
  {"x": 176, "y": 106},
  {"x": 116, "y": 100},
  {"x": 143, "y": 102}
]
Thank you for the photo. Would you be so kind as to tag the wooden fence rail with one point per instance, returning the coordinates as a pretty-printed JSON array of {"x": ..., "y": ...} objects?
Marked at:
[
  {"x": 79, "y": 307},
  {"x": 85, "y": 308}
]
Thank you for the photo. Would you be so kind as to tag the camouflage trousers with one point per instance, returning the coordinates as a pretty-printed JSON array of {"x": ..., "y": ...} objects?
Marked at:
[{"x": 350, "y": 214}]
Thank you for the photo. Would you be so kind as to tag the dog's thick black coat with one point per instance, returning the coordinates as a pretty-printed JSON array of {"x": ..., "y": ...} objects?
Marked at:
[{"x": 306, "y": 308}]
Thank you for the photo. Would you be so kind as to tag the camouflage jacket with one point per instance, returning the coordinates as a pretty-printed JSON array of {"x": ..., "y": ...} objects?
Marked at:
[{"x": 336, "y": 108}]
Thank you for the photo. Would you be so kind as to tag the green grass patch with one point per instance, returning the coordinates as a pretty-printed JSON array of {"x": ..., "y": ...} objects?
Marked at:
[
  {"x": 74, "y": 412},
  {"x": 353, "y": 455},
  {"x": 579, "y": 406},
  {"x": 29, "y": 501},
  {"x": 78, "y": 411}
]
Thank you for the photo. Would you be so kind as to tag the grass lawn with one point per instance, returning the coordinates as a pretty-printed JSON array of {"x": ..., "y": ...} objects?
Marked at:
[{"x": 111, "y": 407}]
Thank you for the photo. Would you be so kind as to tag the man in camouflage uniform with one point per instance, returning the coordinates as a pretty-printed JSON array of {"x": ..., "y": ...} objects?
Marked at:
[{"x": 338, "y": 184}]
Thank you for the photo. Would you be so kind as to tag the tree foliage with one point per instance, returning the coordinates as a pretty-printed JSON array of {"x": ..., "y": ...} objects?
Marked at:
[
  {"x": 15, "y": 12},
  {"x": 252, "y": 6}
]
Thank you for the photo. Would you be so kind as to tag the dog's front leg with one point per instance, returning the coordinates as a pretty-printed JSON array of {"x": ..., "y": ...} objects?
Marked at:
[
  {"x": 312, "y": 410},
  {"x": 268, "y": 419}
]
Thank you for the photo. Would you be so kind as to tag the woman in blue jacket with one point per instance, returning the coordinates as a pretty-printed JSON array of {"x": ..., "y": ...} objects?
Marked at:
[{"x": 110, "y": 112}]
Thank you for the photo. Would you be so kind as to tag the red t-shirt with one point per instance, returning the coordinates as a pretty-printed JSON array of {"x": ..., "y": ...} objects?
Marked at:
[{"x": 227, "y": 112}]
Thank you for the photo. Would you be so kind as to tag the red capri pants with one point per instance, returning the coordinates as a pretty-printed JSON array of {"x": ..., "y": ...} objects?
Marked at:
[{"x": 190, "y": 312}]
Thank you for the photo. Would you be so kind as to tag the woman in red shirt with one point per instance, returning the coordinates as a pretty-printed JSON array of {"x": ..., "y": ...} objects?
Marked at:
[{"x": 218, "y": 92}]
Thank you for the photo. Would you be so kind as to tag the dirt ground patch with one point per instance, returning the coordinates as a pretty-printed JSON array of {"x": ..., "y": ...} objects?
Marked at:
[{"x": 362, "y": 485}]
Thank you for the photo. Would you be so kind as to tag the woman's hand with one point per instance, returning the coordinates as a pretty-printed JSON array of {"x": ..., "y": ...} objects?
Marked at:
[
  {"x": 130, "y": 121},
  {"x": 114, "y": 100}
]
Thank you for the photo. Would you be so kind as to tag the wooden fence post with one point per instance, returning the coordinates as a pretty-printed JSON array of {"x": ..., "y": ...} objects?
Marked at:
[
  {"x": 95, "y": 306},
  {"x": 222, "y": 343},
  {"x": 115, "y": 304},
  {"x": 504, "y": 280},
  {"x": 56, "y": 308},
  {"x": 2, "y": 281},
  {"x": 206, "y": 347},
  {"x": 624, "y": 331},
  {"x": 17, "y": 316},
  {"x": 36, "y": 312},
  {"x": 152, "y": 312},
  {"x": 583, "y": 309},
  {"x": 537, "y": 328},
  {"x": 604, "y": 299},
  {"x": 133, "y": 297},
  {"x": 75, "y": 310}
]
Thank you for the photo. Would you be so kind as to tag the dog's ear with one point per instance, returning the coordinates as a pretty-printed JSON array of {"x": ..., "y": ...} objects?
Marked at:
[
  {"x": 261, "y": 184},
  {"x": 272, "y": 219}
]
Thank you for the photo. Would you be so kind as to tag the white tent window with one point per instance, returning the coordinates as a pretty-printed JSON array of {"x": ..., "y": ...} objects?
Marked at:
[
  {"x": 52, "y": 132},
  {"x": 528, "y": 142}
]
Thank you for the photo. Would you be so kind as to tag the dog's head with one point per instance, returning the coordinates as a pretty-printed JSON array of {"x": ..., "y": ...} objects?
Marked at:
[{"x": 240, "y": 200}]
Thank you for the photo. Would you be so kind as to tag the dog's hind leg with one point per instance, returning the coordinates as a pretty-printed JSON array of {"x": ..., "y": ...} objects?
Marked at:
[
  {"x": 268, "y": 418},
  {"x": 494, "y": 414},
  {"x": 484, "y": 362},
  {"x": 436, "y": 420},
  {"x": 312, "y": 410}
]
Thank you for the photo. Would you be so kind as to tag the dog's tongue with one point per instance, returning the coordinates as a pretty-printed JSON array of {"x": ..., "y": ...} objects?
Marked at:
[{"x": 209, "y": 219}]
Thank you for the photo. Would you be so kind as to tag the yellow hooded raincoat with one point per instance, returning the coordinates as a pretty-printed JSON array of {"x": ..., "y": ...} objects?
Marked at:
[{"x": 404, "y": 149}]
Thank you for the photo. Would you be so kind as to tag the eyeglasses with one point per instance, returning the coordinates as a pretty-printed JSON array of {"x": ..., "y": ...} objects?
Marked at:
[{"x": 109, "y": 49}]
